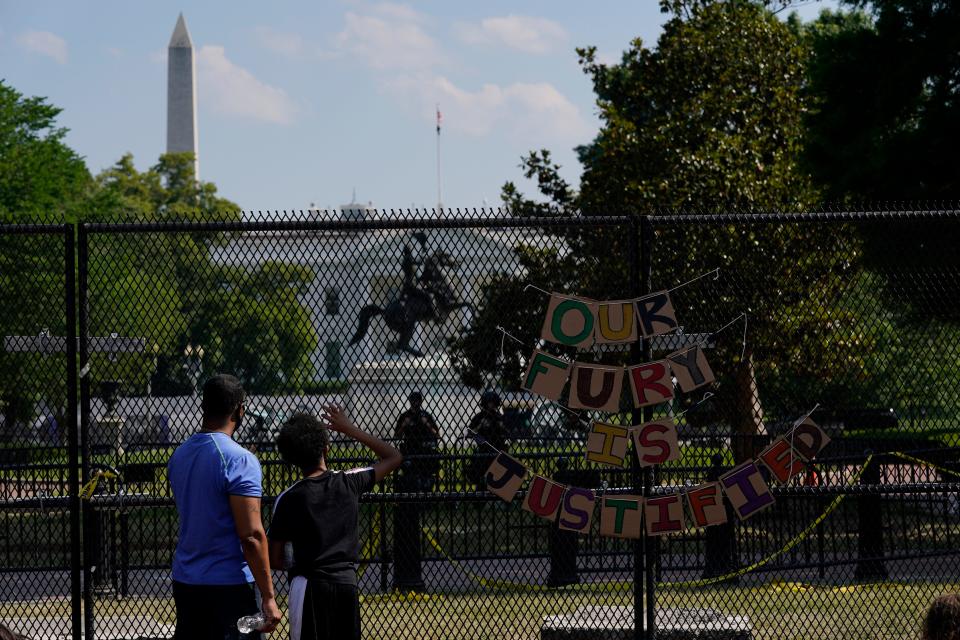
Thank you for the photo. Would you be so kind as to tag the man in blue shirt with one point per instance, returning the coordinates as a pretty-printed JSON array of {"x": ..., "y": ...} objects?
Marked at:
[{"x": 222, "y": 548}]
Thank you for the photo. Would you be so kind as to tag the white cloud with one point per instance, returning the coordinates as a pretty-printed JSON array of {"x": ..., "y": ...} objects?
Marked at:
[
  {"x": 389, "y": 36},
  {"x": 44, "y": 43},
  {"x": 292, "y": 45},
  {"x": 289, "y": 45},
  {"x": 522, "y": 108},
  {"x": 528, "y": 34},
  {"x": 232, "y": 90}
]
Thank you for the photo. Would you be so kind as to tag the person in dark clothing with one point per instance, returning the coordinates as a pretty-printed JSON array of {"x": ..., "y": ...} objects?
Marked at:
[
  {"x": 489, "y": 432},
  {"x": 419, "y": 440},
  {"x": 318, "y": 516}
]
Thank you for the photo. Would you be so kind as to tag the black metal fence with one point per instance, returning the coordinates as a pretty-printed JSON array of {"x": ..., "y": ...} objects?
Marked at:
[{"x": 854, "y": 313}]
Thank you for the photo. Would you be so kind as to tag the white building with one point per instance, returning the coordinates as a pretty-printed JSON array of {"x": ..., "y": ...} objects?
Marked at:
[{"x": 355, "y": 268}]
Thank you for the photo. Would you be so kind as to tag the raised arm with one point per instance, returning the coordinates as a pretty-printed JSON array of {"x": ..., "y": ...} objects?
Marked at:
[{"x": 335, "y": 419}]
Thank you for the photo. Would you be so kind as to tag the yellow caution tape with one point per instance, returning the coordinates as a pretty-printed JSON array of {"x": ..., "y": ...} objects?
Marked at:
[
  {"x": 925, "y": 463},
  {"x": 790, "y": 545},
  {"x": 87, "y": 490},
  {"x": 401, "y": 596},
  {"x": 505, "y": 584}
]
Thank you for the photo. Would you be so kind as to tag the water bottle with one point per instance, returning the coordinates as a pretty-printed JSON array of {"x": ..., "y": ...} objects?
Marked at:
[{"x": 246, "y": 624}]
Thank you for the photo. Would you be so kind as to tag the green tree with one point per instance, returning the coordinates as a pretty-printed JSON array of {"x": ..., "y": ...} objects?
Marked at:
[
  {"x": 39, "y": 174},
  {"x": 885, "y": 113},
  {"x": 249, "y": 321},
  {"x": 162, "y": 287},
  {"x": 710, "y": 117},
  {"x": 884, "y": 123},
  {"x": 40, "y": 180}
]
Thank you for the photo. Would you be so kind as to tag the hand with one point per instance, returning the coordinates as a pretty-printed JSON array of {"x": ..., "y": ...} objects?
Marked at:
[
  {"x": 335, "y": 419},
  {"x": 271, "y": 612}
]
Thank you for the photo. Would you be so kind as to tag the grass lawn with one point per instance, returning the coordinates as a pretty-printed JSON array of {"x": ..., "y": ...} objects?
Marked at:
[{"x": 776, "y": 611}]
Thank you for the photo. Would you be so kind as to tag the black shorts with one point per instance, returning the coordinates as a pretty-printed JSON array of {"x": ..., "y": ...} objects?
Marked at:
[
  {"x": 210, "y": 612},
  {"x": 327, "y": 611}
]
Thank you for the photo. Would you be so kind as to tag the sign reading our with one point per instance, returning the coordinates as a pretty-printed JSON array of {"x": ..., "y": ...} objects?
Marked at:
[{"x": 581, "y": 323}]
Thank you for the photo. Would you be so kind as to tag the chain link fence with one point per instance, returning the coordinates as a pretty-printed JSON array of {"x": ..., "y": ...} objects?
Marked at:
[
  {"x": 40, "y": 542},
  {"x": 848, "y": 316}
]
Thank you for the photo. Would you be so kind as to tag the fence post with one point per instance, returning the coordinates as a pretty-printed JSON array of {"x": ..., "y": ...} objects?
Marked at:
[
  {"x": 564, "y": 545},
  {"x": 73, "y": 443},
  {"x": 644, "y": 549},
  {"x": 384, "y": 552},
  {"x": 870, "y": 565},
  {"x": 84, "y": 380},
  {"x": 407, "y": 537},
  {"x": 720, "y": 548}
]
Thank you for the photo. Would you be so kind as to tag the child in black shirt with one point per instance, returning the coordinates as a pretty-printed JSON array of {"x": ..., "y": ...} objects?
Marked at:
[{"x": 318, "y": 515}]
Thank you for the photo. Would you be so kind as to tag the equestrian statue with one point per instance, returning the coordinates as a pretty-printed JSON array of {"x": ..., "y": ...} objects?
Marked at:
[{"x": 427, "y": 297}]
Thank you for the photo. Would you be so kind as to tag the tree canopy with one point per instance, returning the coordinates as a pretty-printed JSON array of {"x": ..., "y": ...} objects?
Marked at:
[
  {"x": 712, "y": 116},
  {"x": 884, "y": 123},
  {"x": 162, "y": 287}
]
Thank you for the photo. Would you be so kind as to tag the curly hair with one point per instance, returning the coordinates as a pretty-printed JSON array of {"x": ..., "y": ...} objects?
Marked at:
[
  {"x": 6, "y": 634},
  {"x": 942, "y": 621},
  {"x": 303, "y": 441}
]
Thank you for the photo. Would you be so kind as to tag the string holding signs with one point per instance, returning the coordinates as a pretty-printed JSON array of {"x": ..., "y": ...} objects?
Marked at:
[
  {"x": 630, "y": 516},
  {"x": 582, "y": 323}
]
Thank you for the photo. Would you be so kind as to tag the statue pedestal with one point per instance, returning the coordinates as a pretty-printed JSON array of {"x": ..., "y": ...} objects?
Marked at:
[{"x": 377, "y": 394}]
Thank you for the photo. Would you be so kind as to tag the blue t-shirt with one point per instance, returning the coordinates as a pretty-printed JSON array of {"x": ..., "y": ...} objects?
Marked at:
[{"x": 204, "y": 471}]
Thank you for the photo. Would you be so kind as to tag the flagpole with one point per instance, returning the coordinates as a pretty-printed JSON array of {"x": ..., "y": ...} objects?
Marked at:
[{"x": 439, "y": 192}]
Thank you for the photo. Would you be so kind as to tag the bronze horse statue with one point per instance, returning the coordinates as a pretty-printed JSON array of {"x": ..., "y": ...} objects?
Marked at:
[{"x": 427, "y": 298}]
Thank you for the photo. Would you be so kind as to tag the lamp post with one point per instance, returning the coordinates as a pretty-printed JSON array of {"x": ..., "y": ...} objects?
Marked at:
[{"x": 193, "y": 365}]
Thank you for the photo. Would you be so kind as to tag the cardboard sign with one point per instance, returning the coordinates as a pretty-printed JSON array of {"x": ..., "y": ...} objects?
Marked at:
[
  {"x": 607, "y": 444},
  {"x": 706, "y": 504},
  {"x": 656, "y": 442},
  {"x": 569, "y": 321},
  {"x": 782, "y": 460},
  {"x": 808, "y": 439},
  {"x": 616, "y": 322},
  {"x": 656, "y": 314},
  {"x": 690, "y": 368},
  {"x": 664, "y": 514},
  {"x": 543, "y": 498},
  {"x": 650, "y": 383},
  {"x": 576, "y": 512},
  {"x": 504, "y": 477},
  {"x": 546, "y": 375},
  {"x": 621, "y": 516},
  {"x": 595, "y": 386},
  {"x": 746, "y": 490}
]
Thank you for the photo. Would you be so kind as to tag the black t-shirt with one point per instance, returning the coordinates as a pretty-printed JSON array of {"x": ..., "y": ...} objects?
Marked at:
[{"x": 319, "y": 516}]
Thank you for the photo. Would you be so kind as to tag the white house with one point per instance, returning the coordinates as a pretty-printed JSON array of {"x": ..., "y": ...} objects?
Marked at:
[{"x": 355, "y": 268}]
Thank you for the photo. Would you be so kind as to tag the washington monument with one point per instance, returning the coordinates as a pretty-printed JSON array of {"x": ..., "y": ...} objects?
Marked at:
[{"x": 182, "y": 95}]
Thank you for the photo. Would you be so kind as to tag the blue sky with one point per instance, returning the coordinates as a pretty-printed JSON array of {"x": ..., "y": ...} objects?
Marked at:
[{"x": 301, "y": 102}]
